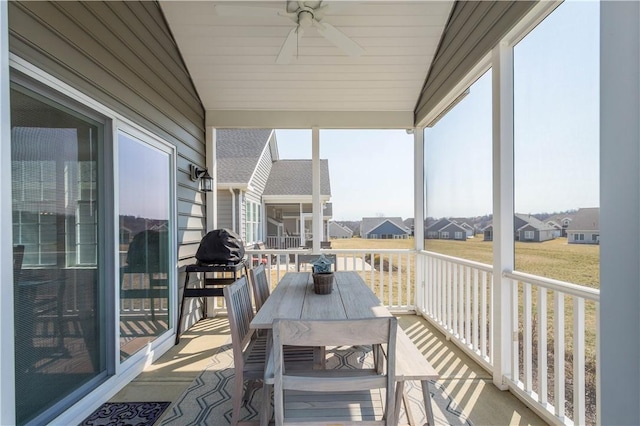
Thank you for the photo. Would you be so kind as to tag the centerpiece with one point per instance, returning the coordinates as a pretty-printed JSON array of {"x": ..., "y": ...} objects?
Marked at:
[{"x": 322, "y": 275}]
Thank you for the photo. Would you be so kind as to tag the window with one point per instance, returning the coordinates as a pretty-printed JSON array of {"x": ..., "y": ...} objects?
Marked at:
[
  {"x": 145, "y": 217},
  {"x": 595, "y": 237},
  {"x": 529, "y": 235},
  {"x": 444, "y": 235},
  {"x": 458, "y": 235},
  {"x": 578, "y": 237},
  {"x": 252, "y": 222}
]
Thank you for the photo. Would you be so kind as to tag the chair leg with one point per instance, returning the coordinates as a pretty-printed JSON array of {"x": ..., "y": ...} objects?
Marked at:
[
  {"x": 427, "y": 402},
  {"x": 237, "y": 399},
  {"x": 265, "y": 411}
]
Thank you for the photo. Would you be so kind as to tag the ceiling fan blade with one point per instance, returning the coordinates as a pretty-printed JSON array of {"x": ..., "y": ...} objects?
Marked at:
[
  {"x": 289, "y": 46},
  {"x": 250, "y": 11},
  {"x": 338, "y": 38}
]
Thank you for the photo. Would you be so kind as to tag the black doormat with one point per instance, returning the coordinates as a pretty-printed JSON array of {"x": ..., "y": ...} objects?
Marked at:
[{"x": 126, "y": 414}]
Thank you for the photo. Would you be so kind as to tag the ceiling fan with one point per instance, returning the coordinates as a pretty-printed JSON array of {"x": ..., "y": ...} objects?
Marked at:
[{"x": 305, "y": 16}]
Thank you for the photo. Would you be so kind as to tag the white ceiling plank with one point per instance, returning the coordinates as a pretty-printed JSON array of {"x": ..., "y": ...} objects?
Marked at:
[
  {"x": 208, "y": 30},
  {"x": 328, "y": 50},
  {"x": 257, "y": 76},
  {"x": 202, "y": 60},
  {"x": 287, "y": 119},
  {"x": 311, "y": 105},
  {"x": 284, "y": 84},
  {"x": 338, "y": 21},
  {"x": 344, "y": 96},
  {"x": 209, "y": 70},
  {"x": 311, "y": 40}
]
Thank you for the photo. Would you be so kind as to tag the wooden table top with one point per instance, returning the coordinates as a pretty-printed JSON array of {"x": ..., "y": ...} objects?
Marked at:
[{"x": 294, "y": 298}]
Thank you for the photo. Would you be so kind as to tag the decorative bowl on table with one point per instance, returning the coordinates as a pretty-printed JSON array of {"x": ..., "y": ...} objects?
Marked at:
[{"x": 323, "y": 282}]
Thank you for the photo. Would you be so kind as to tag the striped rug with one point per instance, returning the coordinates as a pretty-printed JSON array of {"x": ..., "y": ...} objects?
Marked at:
[{"x": 207, "y": 401}]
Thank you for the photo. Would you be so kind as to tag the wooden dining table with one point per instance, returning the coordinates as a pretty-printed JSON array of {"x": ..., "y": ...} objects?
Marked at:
[
  {"x": 351, "y": 298},
  {"x": 294, "y": 298}
]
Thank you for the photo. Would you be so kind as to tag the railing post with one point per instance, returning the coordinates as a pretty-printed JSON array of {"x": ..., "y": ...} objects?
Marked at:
[{"x": 504, "y": 342}]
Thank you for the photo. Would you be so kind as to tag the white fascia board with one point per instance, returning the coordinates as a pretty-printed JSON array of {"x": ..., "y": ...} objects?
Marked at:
[
  {"x": 227, "y": 186},
  {"x": 247, "y": 119},
  {"x": 455, "y": 94}
]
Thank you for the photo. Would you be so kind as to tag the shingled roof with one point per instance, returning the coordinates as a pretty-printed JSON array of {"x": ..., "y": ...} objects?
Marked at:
[
  {"x": 238, "y": 152},
  {"x": 586, "y": 219},
  {"x": 295, "y": 177}
]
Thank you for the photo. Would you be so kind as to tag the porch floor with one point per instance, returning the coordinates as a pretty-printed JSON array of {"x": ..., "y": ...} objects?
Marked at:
[{"x": 464, "y": 380}]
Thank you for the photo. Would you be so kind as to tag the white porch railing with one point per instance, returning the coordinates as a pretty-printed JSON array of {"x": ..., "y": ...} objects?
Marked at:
[
  {"x": 561, "y": 316},
  {"x": 559, "y": 384},
  {"x": 456, "y": 295},
  {"x": 389, "y": 273},
  {"x": 283, "y": 243}
]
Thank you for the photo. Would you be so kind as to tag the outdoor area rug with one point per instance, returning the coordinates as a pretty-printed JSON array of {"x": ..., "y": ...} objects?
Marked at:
[
  {"x": 126, "y": 414},
  {"x": 207, "y": 401}
]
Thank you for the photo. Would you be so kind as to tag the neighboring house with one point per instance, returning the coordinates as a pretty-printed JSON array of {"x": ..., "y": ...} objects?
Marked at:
[
  {"x": 263, "y": 198},
  {"x": 526, "y": 228},
  {"x": 288, "y": 203},
  {"x": 452, "y": 231},
  {"x": 470, "y": 229},
  {"x": 530, "y": 229},
  {"x": 383, "y": 228},
  {"x": 557, "y": 228},
  {"x": 563, "y": 220},
  {"x": 585, "y": 227},
  {"x": 245, "y": 158},
  {"x": 487, "y": 232},
  {"x": 337, "y": 230},
  {"x": 467, "y": 224},
  {"x": 433, "y": 230}
]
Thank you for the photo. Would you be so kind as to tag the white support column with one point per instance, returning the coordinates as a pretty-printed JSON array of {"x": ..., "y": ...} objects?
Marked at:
[
  {"x": 7, "y": 358},
  {"x": 317, "y": 205},
  {"x": 418, "y": 188},
  {"x": 503, "y": 344},
  {"x": 212, "y": 166},
  {"x": 619, "y": 348}
]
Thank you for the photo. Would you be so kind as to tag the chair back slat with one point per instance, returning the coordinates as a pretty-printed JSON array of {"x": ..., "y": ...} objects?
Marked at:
[
  {"x": 370, "y": 331},
  {"x": 260, "y": 285},
  {"x": 240, "y": 314}
]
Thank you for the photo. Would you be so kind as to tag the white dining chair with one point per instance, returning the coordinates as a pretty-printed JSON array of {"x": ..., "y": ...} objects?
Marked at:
[{"x": 334, "y": 396}]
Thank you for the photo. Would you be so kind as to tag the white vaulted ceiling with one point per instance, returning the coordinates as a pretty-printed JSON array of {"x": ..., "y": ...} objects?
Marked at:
[{"x": 232, "y": 61}]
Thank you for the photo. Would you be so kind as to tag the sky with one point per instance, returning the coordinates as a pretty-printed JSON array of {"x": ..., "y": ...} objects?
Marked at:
[
  {"x": 371, "y": 171},
  {"x": 556, "y": 153}
]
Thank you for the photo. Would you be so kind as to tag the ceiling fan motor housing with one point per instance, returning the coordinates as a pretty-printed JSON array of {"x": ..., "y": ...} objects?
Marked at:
[{"x": 305, "y": 18}]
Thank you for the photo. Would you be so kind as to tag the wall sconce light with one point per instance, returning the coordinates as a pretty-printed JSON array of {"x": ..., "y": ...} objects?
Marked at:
[{"x": 202, "y": 175}]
